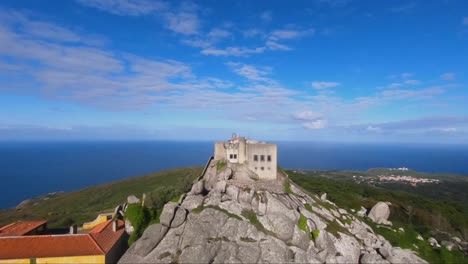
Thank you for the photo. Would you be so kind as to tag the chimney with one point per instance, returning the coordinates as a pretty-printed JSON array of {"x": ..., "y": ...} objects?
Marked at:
[
  {"x": 114, "y": 225},
  {"x": 73, "y": 229}
]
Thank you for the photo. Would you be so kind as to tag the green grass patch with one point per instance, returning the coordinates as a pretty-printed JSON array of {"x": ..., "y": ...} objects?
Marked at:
[
  {"x": 315, "y": 234},
  {"x": 176, "y": 198},
  {"x": 287, "y": 187},
  {"x": 308, "y": 207},
  {"x": 140, "y": 218},
  {"x": 198, "y": 210},
  {"x": 303, "y": 225},
  {"x": 252, "y": 217},
  {"x": 333, "y": 227},
  {"x": 220, "y": 165}
]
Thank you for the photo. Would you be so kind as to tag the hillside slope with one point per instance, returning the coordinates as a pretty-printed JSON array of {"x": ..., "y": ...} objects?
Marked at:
[{"x": 63, "y": 209}]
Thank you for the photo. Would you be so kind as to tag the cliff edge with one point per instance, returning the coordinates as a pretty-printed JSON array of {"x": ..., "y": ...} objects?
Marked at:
[{"x": 230, "y": 217}]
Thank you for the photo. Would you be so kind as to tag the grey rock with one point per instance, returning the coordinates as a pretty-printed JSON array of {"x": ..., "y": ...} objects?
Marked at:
[
  {"x": 220, "y": 187},
  {"x": 179, "y": 217},
  {"x": 129, "y": 229},
  {"x": 404, "y": 256},
  {"x": 298, "y": 255},
  {"x": 197, "y": 188},
  {"x": 150, "y": 239},
  {"x": 300, "y": 239},
  {"x": 433, "y": 242},
  {"x": 225, "y": 174},
  {"x": 323, "y": 197},
  {"x": 192, "y": 201},
  {"x": 379, "y": 213},
  {"x": 368, "y": 258},
  {"x": 132, "y": 199},
  {"x": 448, "y": 245},
  {"x": 362, "y": 211},
  {"x": 168, "y": 213},
  {"x": 232, "y": 191},
  {"x": 280, "y": 224},
  {"x": 348, "y": 247},
  {"x": 324, "y": 241},
  {"x": 274, "y": 251}
]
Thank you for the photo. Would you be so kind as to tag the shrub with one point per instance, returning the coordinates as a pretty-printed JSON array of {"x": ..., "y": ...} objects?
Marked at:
[
  {"x": 220, "y": 165},
  {"x": 315, "y": 234},
  {"x": 287, "y": 187},
  {"x": 303, "y": 225},
  {"x": 139, "y": 217}
]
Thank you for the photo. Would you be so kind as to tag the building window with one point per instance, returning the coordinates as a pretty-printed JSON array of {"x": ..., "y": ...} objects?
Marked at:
[
  {"x": 269, "y": 157},
  {"x": 262, "y": 157},
  {"x": 262, "y": 168},
  {"x": 255, "y": 157},
  {"x": 230, "y": 156},
  {"x": 235, "y": 156}
]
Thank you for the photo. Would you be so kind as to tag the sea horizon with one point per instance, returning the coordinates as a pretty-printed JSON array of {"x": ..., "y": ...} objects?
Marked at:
[{"x": 33, "y": 168}]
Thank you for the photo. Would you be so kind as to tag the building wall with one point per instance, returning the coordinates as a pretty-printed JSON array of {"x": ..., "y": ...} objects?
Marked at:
[
  {"x": 269, "y": 167},
  {"x": 118, "y": 249},
  {"x": 220, "y": 151},
  {"x": 64, "y": 260}
]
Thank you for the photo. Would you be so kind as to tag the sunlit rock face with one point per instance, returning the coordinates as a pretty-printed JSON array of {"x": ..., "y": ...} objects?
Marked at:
[{"x": 228, "y": 220}]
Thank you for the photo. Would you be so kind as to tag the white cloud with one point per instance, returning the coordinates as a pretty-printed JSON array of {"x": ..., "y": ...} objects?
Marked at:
[
  {"x": 324, "y": 85},
  {"x": 186, "y": 23},
  {"x": 126, "y": 7},
  {"x": 273, "y": 45},
  {"x": 219, "y": 33},
  {"x": 233, "y": 51},
  {"x": 394, "y": 85},
  {"x": 266, "y": 16},
  {"x": 374, "y": 129},
  {"x": 290, "y": 34},
  {"x": 253, "y": 32},
  {"x": 250, "y": 72},
  {"x": 412, "y": 82},
  {"x": 307, "y": 115},
  {"x": 449, "y": 76},
  {"x": 448, "y": 129},
  {"x": 317, "y": 124}
]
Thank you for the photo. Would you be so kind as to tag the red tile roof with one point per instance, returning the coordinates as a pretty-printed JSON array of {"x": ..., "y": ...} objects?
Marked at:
[
  {"x": 20, "y": 228},
  {"x": 98, "y": 241}
]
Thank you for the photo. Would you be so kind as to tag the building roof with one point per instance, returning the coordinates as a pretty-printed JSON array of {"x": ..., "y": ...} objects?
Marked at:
[
  {"x": 20, "y": 228},
  {"x": 98, "y": 241}
]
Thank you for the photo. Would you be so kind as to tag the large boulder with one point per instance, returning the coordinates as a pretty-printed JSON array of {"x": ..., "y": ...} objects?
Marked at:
[
  {"x": 132, "y": 199},
  {"x": 192, "y": 201},
  {"x": 372, "y": 258},
  {"x": 150, "y": 239},
  {"x": 197, "y": 187},
  {"x": 168, "y": 213},
  {"x": 380, "y": 213}
]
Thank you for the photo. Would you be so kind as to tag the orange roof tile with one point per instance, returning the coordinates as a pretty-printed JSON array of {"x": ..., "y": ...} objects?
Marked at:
[
  {"x": 98, "y": 241},
  {"x": 47, "y": 246},
  {"x": 105, "y": 236},
  {"x": 20, "y": 228}
]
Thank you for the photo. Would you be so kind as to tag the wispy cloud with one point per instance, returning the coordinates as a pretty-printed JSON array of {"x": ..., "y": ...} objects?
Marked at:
[
  {"x": 448, "y": 76},
  {"x": 403, "y": 8},
  {"x": 324, "y": 85},
  {"x": 465, "y": 21},
  {"x": 233, "y": 51},
  {"x": 266, "y": 16},
  {"x": 183, "y": 22},
  {"x": 126, "y": 7}
]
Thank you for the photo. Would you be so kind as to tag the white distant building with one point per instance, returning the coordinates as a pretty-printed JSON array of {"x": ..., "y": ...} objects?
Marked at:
[{"x": 259, "y": 157}]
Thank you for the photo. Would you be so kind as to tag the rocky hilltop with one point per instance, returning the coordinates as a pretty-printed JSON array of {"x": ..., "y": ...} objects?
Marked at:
[{"x": 228, "y": 216}]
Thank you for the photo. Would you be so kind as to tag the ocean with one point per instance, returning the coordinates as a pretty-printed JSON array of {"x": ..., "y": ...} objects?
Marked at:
[{"x": 29, "y": 169}]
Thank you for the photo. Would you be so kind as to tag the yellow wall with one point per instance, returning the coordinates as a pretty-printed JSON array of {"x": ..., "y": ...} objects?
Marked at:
[
  {"x": 99, "y": 219},
  {"x": 75, "y": 259},
  {"x": 14, "y": 261}
]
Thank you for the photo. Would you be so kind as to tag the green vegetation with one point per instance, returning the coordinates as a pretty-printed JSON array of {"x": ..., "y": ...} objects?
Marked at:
[
  {"x": 334, "y": 227},
  {"x": 84, "y": 205},
  {"x": 308, "y": 207},
  {"x": 315, "y": 234},
  {"x": 287, "y": 187},
  {"x": 416, "y": 213},
  {"x": 220, "y": 165},
  {"x": 139, "y": 217},
  {"x": 303, "y": 225},
  {"x": 252, "y": 217},
  {"x": 176, "y": 198}
]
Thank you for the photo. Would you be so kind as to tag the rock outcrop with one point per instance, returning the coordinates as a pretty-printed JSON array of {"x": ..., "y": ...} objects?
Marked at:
[
  {"x": 380, "y": 213},
  {"x": 223, "y": 220}
]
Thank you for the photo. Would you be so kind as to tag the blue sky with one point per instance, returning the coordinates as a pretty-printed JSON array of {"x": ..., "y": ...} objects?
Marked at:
[{"x": 318, "y": 70}]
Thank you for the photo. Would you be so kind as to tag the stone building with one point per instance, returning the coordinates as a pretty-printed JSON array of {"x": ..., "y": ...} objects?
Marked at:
[{"x": 259, "y": 157}]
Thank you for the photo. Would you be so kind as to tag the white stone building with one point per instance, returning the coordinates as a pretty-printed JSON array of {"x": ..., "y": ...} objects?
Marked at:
[{"x": 259, "y": 157}]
